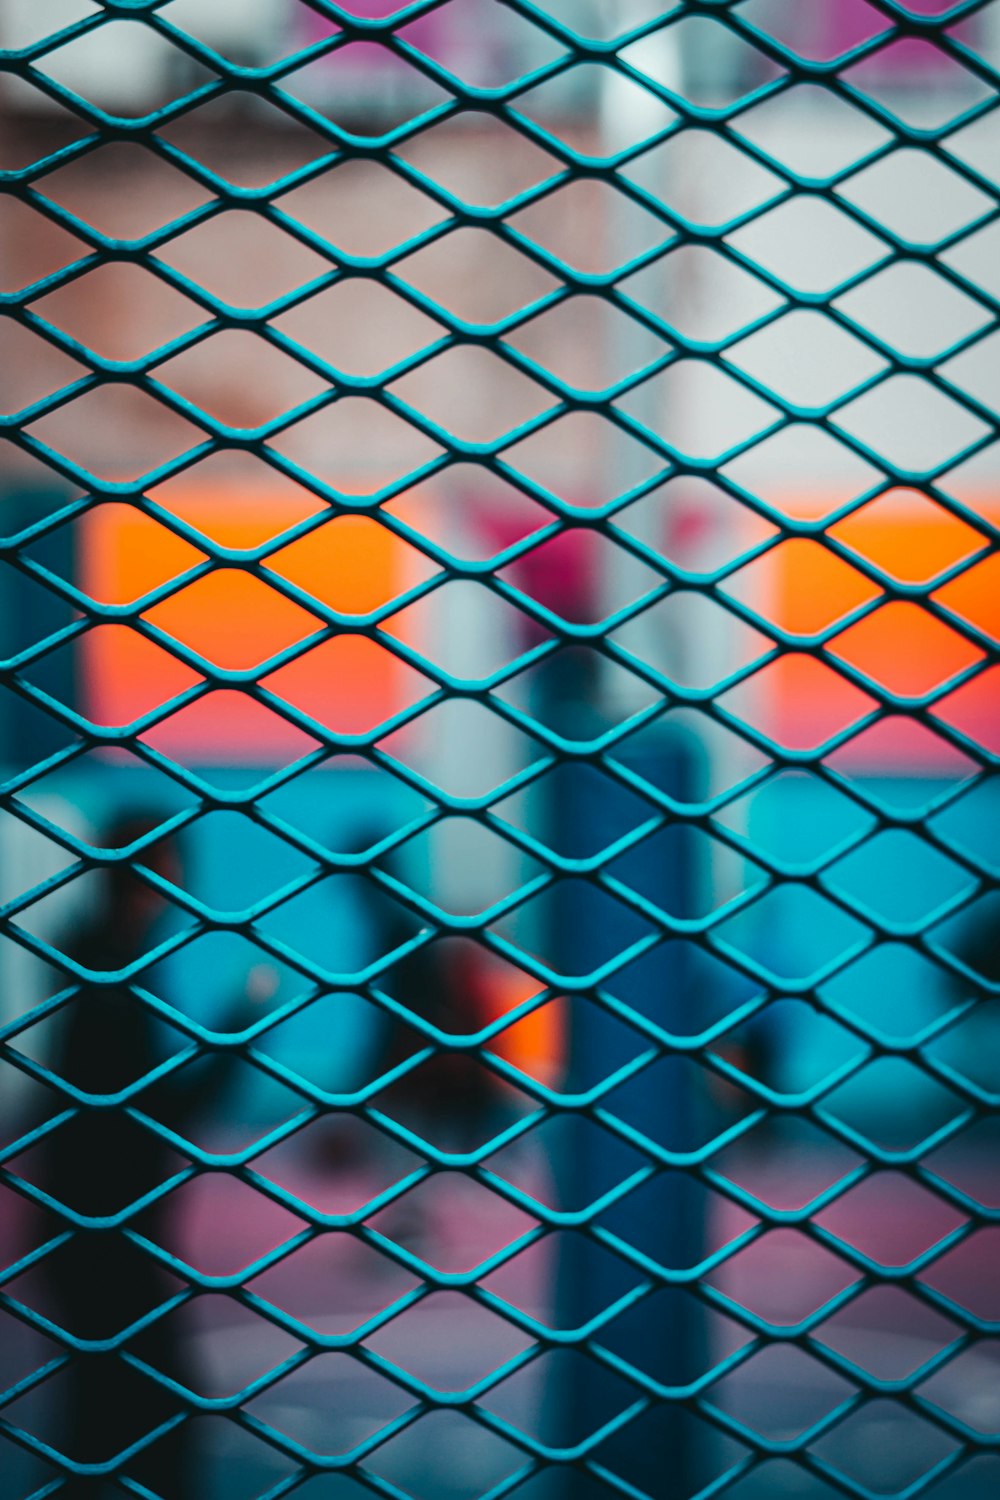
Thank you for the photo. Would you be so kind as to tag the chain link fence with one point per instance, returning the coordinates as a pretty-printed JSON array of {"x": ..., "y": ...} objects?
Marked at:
[{"x": 499, "y": 850}]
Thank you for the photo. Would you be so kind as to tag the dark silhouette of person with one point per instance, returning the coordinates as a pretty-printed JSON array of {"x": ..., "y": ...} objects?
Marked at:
[
  {"x": 450, "y": 1099},
  {"x": 98, "y": 1164}
]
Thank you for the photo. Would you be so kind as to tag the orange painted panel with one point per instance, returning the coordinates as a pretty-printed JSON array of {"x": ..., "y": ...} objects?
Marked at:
[
  {"x": 350, "y": 684},
  {"x": 905, "y": 650},
  {"x": 352, "y": 564},
  {"x": 974, "y": 709},
  {"x": 127, "y": 676},
  {"x": 908, "y": 536},
  {"x": 234, "y": 620},
  {"x": 974, "y": 596},
  {"x": 911, "y": 538},
  {"x": 803, "y": 587},
  {"x": 798, "y": 701},
  {"x": 125, "y": 554}
]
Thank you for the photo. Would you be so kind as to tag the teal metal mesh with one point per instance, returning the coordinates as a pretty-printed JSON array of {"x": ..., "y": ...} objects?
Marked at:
[{"x": 848, "y": 918}]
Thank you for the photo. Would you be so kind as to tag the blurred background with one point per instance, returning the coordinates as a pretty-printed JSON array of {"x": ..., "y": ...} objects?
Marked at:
[{"x": 523, "y": 589}]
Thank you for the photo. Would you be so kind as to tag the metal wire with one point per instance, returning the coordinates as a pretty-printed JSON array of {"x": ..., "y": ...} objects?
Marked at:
[{"x": 711, "y": 933}]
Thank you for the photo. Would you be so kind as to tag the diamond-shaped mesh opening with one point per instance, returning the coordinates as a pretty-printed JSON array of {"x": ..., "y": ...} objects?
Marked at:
[{"x": 498, "y": 845}]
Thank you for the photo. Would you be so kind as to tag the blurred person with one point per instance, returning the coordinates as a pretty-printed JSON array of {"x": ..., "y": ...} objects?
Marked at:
[
  {"x": 103, "y": 1160},
  {"x": 99, "y": 1163},
  {"x": 450, "y": 1099}
]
